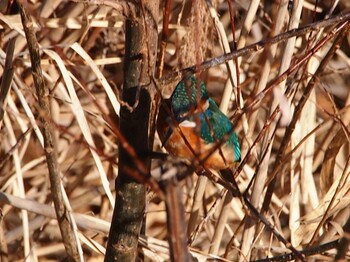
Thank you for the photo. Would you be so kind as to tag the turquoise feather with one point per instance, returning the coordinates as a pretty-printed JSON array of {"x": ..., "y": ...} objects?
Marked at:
[{"x": 184, "y": 97}]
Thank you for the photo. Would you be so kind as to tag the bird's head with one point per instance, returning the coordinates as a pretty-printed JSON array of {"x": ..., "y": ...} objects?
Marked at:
[{"x": 188, "y": 96}]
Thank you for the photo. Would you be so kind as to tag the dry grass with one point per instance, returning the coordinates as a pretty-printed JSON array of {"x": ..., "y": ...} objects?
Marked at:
[{"x": 82, "y": 47}]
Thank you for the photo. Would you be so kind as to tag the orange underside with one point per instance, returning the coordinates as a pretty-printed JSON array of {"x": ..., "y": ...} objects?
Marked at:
[{"x": 178, "y": 145}]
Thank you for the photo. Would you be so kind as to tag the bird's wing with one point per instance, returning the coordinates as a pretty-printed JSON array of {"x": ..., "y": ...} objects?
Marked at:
[{"x": 214, "y": 122}]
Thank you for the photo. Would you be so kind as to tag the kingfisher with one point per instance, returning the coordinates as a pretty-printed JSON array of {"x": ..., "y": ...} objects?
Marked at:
[{"x": 192, "y": 127}]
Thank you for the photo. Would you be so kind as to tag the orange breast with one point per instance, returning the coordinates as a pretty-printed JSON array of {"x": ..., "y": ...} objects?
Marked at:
[{"x": 190, "y": 146}]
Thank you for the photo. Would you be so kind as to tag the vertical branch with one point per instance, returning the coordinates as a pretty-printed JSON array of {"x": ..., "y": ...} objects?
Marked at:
[
  {"x": 165, "y": 35},
  {"x": 239, "y": 94},
  {"x": 139, "y": 62},
  {"x": 62, "y": 213},
  {"x": 176, "y": 221}
]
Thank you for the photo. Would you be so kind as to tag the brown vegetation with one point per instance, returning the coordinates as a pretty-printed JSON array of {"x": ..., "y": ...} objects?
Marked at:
[{"x": 280, "y": 71}]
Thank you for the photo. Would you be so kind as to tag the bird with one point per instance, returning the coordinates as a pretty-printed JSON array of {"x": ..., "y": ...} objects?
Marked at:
[{"x": 192, "y": 128}]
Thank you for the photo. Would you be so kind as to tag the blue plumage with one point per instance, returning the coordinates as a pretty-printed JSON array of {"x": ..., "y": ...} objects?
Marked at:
[{"x": 188, "y": 104}]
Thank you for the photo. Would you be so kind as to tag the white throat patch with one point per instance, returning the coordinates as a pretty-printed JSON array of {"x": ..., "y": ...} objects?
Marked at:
[{"x": 187, "y": 123}]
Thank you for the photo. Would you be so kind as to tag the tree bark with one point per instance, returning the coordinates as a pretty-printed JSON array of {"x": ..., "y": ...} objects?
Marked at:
[{"x": 140, "y": 52}]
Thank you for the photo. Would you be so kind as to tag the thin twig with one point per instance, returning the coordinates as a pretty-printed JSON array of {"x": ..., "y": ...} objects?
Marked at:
[
  {"x": 4, "y": 256},
  {"x": 7, "y": 77},
  {"x": 343, "y": 28},
  {"x": 254, "y": 47},
  {"x": 307, "y": 252}
]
